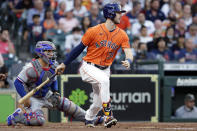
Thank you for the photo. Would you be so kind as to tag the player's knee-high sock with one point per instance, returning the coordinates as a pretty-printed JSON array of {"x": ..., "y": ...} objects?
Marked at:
[
  {"x": 107, "y": 109},
  {"x": 72, "y": 109}
]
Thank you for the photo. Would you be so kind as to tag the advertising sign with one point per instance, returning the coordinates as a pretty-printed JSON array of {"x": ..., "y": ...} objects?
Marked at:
[{"x": 134, "y": 97}]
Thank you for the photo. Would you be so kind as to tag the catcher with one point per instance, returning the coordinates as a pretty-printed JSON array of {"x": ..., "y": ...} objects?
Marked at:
[{"x": 32, "y": 75}]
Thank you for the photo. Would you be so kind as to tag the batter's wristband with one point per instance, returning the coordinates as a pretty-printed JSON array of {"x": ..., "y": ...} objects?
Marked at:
[{"x": 130, "y": 61}]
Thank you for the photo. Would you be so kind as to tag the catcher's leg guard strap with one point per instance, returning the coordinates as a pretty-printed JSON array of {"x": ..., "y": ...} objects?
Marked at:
[{"x": 72, "y": 109}]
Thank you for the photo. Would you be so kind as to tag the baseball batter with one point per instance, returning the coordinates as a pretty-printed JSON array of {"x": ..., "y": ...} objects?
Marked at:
[
  {"x": 32, "y": 75},
  {"x": 102, "y": 42}
]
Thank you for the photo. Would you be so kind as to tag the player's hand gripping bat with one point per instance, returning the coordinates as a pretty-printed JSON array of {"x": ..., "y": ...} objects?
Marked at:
[{"x": 33, "y": 91}]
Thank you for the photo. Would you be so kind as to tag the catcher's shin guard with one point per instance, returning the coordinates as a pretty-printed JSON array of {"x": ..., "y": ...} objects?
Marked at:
[
  {"x": 72, "y": 109},
  {"x": 34, "y": 118},
  {"x": 15, "y": 118},
  {"x": 109, "y": 119},
  {"x": 30, "y": 119}
]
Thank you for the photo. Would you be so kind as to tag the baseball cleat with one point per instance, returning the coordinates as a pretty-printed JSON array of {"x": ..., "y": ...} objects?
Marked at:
[
  {"x": 11, "y": 118},
  {"x": 89, "y": 123},
  {"x": 110, "y": 121},
  {"x": 99, "y": 120}
]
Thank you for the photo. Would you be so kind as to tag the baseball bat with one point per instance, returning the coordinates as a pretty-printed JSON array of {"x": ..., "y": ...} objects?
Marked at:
[{"x": 33, "y": 91}]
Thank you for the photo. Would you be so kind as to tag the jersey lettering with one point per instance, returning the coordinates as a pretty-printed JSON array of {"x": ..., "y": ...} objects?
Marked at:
[
  {"x": 113, "y": 46},
  {"x": 102, "y": 45}
]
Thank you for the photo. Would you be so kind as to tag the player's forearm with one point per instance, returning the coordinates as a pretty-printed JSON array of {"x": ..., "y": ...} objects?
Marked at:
[{"x": 128, "y": 54}]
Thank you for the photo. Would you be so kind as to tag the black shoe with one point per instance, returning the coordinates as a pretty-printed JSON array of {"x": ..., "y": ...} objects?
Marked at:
[
  {"x": 110, "y": 121},
  {"x": 89, "y": 123}
]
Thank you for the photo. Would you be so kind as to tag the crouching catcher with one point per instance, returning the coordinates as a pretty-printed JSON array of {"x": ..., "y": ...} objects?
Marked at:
[{"x": 32, "y": 75}]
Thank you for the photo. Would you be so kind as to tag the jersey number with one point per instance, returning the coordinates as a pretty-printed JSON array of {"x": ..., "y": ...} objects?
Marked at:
[{"x": 110, "y": 55}]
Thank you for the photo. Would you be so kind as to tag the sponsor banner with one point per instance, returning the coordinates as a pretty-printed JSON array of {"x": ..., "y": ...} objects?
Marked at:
[
  {"x": 134, "y": 98},
  {"x": 186, "y": 82}
]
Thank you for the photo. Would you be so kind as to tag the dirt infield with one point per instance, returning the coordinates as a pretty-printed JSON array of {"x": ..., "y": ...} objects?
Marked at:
[{"x": 121, "y": 126}]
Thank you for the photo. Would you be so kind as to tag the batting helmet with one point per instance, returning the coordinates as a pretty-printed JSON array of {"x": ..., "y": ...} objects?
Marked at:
[
  {"x": 110, "y": 10},
  {"x": 42, "y": 46}
]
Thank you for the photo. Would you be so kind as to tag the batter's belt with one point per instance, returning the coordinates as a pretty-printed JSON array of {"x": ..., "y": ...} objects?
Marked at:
[{"x": 98, "y": 66}]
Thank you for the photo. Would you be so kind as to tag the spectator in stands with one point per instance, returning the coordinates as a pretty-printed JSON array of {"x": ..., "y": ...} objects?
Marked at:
[
  {"x": 188, "y": 54},
  {"x": 7, "y": 17},
  {"x": 169, "y": 37},
  {"x": 142, "y": 21},
  {"x": 22, "y": 7},
  {"x": 68, "y": 22},
  {"x": 155, "y": 13},
  {"x": 87, "y": 3},
  {"x": 192, "y": 33},
  {"x": 38, "y": 9},
  {"x": 188, "y": 110},
  {"x": 125, "y": 6},
  {"x": 135, "y": 44},
  {"x": 176, "y": 48},
  {"x": 189, "y": 2},
  {"x": 144, "y": 38},
  {"x": 143, "y": 54},
  {"x": 35, "y": 32},
  {"x": 178, "y": 9},
  {"x": 152, "y": 45},
  {"x": 6, "y": 45},
  {"x": 187, "y": 15},
  {"x": 60, "y": 11},
  {"x": 194, "y": 19},
  {"x": 180, "y": 28},
  {"x": 134, "y": 12},
  {"x": 49, "y": 22},
  {"x": 159, "y": 27},
  {"x": 69, "y": 4},
  {"x": 194, "y": 9},
  {"x": 171, "y": 20},
  {"x": 95, "y": 15},
  {"x": 165, "y": 8},
  {"x": 79, "y": 10},
  {"x": 85, "y": 23},
  {"x": 73, "y": 39},
  {"x": 147, "y": 5},
  {"x": 162, "y": 53}
]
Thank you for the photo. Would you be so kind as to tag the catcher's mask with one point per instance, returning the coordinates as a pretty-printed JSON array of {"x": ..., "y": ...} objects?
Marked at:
[{"x": 46, "y": 51}]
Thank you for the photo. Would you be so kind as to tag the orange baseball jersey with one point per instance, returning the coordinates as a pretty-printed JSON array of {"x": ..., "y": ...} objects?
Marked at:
[{"x": 103, "y": 44}]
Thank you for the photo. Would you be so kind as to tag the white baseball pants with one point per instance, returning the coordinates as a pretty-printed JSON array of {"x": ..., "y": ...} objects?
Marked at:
[{"x": 100, "y": 85}]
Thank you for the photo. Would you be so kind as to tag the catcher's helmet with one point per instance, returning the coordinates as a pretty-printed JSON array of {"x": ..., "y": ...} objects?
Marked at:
[
  {"x": 109, "y": 10},
  {"x": 42, "y": 46}
]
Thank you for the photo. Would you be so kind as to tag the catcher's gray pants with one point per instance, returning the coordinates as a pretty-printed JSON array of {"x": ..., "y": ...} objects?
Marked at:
[{"x": 35, "y": 116}]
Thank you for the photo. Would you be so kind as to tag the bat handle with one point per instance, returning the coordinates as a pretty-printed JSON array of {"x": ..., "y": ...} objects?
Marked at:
[{"x": 50, "y": 78}]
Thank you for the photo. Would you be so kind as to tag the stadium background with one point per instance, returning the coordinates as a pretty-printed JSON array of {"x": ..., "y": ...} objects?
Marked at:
[{"x": 161, "y": 67}]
